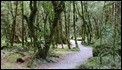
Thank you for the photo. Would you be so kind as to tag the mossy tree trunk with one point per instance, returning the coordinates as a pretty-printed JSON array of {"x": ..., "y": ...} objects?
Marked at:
[
  {"x": 14, "y": 22},
  {"x": 22, "y": 25},
  {"x": 74, "y": 21},
  {"x": 30, "y": 21},
  {"x": 58, "y": 8}
]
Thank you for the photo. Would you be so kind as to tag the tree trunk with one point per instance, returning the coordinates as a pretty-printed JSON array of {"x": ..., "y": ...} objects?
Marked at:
[
  {"x": 74, "y": 19},
  {"x": 58, "y": 8},
  {"x": 14, "y": 24},
  {"x": 22, "y": 25}
]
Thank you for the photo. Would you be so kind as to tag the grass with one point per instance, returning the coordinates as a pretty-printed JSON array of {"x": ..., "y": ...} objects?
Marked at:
[
  {"x": 7, "y": 65},
  {"x": 12, "y": 58},
  {"x": 58, "y": 52},
  {"x": 75, "y": 49}
]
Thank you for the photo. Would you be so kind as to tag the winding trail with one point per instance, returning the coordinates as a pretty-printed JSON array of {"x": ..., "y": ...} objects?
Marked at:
[{"x": 72, "y": 59}]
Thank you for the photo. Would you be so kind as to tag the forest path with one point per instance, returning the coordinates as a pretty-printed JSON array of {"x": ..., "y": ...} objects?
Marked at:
[{"x": 72, "y": 59}]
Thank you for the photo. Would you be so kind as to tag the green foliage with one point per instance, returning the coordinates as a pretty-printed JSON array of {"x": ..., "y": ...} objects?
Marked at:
[
  {"x": 102, "y": 49},
  {"x": 21, "y": 48},
  {"x": 49, "y": 8},
  {"x": 106, "y": 43},
  {"x": 90, "y": 64},
  {"x": 107, "y": 63},
  {"x": 97, "y": 21},
  {"x": 79, "y": 38},
  {"x": 3, "y": 42}
]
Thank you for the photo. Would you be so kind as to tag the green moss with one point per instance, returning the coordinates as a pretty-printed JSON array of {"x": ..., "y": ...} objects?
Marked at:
[
  {"x": 58, "y": 52},
  {"x": 7, "y": 66},
  {"x": 75, "y": 49},
  {"x": 12, "y": 58}
]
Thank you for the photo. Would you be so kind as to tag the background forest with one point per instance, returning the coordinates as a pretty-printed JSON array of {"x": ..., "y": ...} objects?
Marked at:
[{"x": 35, "y": 28}]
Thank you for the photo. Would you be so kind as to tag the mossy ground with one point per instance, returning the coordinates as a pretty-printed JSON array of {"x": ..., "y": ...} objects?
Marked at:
[{"x": 11, "y": 58}]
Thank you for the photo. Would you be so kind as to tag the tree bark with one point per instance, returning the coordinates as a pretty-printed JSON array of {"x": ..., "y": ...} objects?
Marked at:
[
  {"x": 14, "y": 23},
  {"x": 74, "y": 20},
  {"x": 22, "y": 25}
]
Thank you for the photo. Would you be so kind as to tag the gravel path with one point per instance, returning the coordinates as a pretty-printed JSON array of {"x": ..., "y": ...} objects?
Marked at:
[{"x": 72, "y": 59}]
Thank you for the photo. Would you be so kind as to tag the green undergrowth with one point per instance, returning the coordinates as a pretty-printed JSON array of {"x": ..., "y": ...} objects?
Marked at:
[
  {"x": 107, "y": 63},
  {"x": 55, "y": 53}
]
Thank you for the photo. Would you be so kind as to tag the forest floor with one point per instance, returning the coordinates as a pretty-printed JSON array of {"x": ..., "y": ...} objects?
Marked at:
[{"x": 70, "y": 61}]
